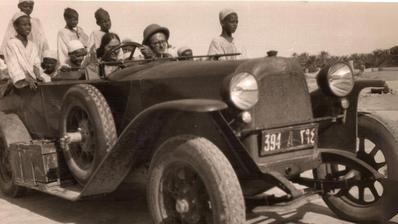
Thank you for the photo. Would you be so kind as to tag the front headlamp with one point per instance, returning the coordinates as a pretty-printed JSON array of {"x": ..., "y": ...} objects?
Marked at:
[
  {"x": 242, "y": 90},
  {"x": 337, "y": 79}
]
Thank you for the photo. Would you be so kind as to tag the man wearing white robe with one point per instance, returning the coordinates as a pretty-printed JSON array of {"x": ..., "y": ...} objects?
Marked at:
[
  {"x": 23, "y": 62},
  {"x": 70, "y": 32},
  {"x": 225, "y": 43},
  {"x": 37, "y": 35}
]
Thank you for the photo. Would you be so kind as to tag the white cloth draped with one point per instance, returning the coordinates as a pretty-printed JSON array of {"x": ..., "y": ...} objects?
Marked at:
[
  {"x": 64, "y": 37},
  {"x": 20, "y": 59},
  {"x": 37, "y": 36}
]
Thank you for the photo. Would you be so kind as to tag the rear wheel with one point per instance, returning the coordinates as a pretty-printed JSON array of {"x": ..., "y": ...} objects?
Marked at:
[
  {"x": 12, "y": 130},
  {"x": 369, "y": 201},
  {"x": 191, "y": 181},
  {"x": 86, "y": 112}
]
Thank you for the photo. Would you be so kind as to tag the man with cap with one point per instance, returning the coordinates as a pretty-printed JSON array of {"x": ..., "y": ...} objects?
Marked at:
[
  {"x": 156, "y": 42},
  {"x": 76, "y": 55},
  {"x": 21, "y": 54},
  {"x": 74, "y": 67},
  {"x": 185, "y": 53},
  {"x": 70, "y": 32},
  {"x": 49, "y": 63},
  {"x": 37, "y": 34},
  {"x": 225, "y": 43}
]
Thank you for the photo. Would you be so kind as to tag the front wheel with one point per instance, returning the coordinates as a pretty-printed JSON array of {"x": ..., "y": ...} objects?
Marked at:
[
  {"x": 191, "y": 181},
  {"x": 370, "y": 201}
]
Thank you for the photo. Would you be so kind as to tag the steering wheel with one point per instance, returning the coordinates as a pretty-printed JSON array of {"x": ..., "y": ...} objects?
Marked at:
[{"x": 135, "y": 45}]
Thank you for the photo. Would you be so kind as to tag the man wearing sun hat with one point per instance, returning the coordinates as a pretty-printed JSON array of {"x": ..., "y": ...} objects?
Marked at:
[
  {"x": 225, "y": 43},
  {"x": 37, "y": 35},
  {"x": 156, "y": 40}
]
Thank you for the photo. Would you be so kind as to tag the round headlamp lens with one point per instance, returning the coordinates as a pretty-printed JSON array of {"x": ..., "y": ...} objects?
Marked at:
[
  {"x": 340, "y": 79},
  {"x": 243, "y": 90}
]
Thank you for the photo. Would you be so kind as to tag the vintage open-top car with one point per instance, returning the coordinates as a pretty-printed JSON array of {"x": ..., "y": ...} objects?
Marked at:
[{"x": 215, "y": 135}]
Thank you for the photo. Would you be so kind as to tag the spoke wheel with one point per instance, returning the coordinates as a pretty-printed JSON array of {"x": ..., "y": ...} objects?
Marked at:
[
  {"x": 185, "y": 196},
  {"x": 191, "y": 182},
  {"x": 86, "y": 112},
  {"x": 79, "y": 121},
  {"x": 367, "y": 200}
]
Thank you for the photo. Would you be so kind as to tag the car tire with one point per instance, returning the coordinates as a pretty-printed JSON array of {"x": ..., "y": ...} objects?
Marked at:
[
  {"x": 85, "y": 110},
  {"x": 12, "y": 130},
  {"x": 350, "y": 205},
  {"x": 207, "y": 189}
]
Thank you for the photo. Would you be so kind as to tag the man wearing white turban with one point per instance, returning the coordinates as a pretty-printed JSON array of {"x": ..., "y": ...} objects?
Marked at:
[
  {"x": 225, "y": 43},
  {"x": 21, "y": 54},
  {"x": 37, "y": 35},
  {"x": 49, "y": 63}
]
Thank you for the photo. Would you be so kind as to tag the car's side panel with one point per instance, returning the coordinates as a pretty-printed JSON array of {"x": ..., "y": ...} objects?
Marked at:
[
  {"x": 116, "y": 94},
  {"x": 29, "y": 107},
  {"x": 141, "y": 137}
]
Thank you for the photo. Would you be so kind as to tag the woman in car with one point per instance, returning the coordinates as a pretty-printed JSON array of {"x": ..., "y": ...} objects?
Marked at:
[{"x": 104, "y": 54}]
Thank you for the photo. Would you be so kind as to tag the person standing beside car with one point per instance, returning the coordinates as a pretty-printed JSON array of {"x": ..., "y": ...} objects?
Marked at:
[
  {"x": 225, "y": 43},
  {"x": 36, "y": 35}
]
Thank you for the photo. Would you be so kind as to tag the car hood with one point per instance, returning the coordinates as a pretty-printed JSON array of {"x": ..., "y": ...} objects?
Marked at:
[{"x": 159, "y": 70}]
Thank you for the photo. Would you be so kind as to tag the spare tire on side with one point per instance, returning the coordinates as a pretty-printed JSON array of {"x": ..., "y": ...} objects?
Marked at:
[{"x": 85, "y": 112}]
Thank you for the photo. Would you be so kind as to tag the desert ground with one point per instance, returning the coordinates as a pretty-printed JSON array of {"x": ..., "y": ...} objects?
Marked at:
[{"x": 128, "y": 204}]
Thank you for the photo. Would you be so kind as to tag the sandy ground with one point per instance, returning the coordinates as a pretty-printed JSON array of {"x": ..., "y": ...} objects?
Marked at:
[{"x": 128, "y": 204}]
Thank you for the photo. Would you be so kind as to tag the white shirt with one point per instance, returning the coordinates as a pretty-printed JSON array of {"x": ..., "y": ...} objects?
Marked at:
[
  {"x": 37, "y": 36},
  {"x": 64, "y": 37},
  {"x": 20, "y": 59},
  {"x": 94, "y": 41},
  {"x": 220, "y": 45}
]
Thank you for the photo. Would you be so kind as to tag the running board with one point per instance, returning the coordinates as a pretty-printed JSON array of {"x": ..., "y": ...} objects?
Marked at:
[{"x": 71, "y": 192}]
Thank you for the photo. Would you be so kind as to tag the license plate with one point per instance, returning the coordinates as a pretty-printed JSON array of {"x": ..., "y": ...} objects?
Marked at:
[{"x": 288, "y": 139}]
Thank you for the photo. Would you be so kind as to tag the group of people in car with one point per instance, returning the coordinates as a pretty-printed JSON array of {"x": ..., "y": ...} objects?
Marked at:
[{"x": 25, "y": 57}]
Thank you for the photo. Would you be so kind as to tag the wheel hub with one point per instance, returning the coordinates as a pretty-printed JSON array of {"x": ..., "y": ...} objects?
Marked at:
[
  {"x": 182, "y": 206},
  {"x": 86, "y": 138}
]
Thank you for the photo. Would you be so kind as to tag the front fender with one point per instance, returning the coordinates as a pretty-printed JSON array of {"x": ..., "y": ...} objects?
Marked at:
[
  {"x": 341, "y": 135},
  {"x": 138, "y": 135}
]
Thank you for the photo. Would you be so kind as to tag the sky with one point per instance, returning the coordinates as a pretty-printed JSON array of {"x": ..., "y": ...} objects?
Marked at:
[{"x": 341, "y": 28}]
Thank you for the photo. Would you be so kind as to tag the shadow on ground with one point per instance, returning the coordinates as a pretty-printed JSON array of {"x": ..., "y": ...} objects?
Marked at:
[{"x": 128, "y": 205}]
